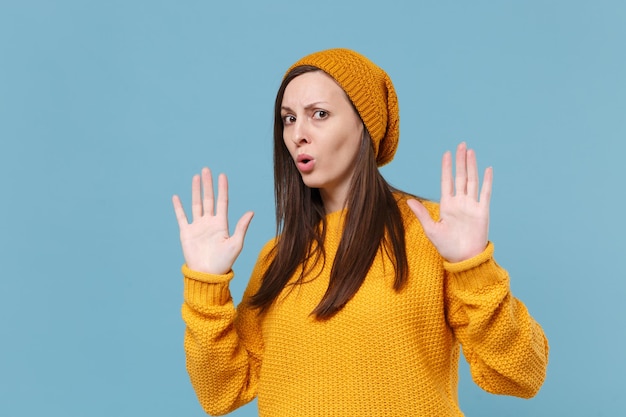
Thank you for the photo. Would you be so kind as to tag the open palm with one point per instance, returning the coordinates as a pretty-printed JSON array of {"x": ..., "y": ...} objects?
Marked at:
[
  {"x": 463, "y": 227},
  {"x": 207, "y": 245}
]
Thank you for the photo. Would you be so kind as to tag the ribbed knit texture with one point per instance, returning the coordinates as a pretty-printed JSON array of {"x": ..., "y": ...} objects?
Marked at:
[
  {"x": 384, "y": 354},
  {"x": 371, "y": 91}
]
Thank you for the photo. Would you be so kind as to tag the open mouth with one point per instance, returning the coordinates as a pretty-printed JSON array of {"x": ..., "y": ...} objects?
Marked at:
[{"x": 305, "y": 163}]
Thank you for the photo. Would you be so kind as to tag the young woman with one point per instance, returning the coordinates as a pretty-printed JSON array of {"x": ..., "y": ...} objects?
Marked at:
[{"x": 359, "y": 305}]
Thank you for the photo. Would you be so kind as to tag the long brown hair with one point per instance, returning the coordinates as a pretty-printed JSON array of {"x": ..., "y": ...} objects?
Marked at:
[{"x": 372, "y": 211}]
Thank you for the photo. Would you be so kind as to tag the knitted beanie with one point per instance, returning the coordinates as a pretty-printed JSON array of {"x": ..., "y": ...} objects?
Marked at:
[{"x": 370, "y": 90}]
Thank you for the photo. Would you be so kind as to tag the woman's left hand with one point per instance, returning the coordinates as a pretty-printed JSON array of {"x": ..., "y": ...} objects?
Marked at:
[{"x": 463, "y": 227}]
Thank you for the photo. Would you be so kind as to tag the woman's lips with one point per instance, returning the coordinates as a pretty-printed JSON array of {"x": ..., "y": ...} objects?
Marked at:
[{"x": 305, "y": 163}]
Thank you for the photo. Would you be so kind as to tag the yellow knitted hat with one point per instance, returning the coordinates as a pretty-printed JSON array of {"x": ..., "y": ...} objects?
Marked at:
[{"x": 371, "y": 92}]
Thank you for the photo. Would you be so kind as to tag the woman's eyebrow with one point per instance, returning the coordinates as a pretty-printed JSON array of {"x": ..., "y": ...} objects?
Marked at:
[{"x": 307, "y": 107}]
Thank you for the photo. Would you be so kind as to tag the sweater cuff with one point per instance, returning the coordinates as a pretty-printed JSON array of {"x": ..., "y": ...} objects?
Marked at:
[
  {"x": 206, "y": 289},
  {"x": 477, "y": 272}
]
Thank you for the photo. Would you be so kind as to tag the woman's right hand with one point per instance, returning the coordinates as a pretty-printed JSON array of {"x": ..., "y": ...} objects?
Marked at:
[{"x": 207, "y": 245}]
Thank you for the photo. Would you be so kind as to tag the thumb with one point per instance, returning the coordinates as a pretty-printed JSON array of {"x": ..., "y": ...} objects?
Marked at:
[
  {"x": 242, "y": 225},
  {"x": 421, "y": 213}
]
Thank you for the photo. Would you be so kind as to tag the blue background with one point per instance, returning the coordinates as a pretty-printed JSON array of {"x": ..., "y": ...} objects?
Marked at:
[{"x": 108, "y": 108}]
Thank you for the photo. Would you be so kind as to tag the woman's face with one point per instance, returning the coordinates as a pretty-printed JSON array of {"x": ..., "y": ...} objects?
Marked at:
[{"x": 323, "y": 134}]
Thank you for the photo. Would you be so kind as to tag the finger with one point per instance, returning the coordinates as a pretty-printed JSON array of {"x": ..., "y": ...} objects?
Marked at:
[
  {"x": 472, "y": 174},
  {"x": 485, "y": 192},
  {"x": 207, "y": 185},
  {"x": 422, "y": 215},
  {"x": 461, "y": 169},
  {"x": 242, "y": 227},
  {"x": 222, "y": 196},
  {"x": 447, "y": 186},
  {"x": 181, "y": 217},
  {"x": 196, "y": 202}
]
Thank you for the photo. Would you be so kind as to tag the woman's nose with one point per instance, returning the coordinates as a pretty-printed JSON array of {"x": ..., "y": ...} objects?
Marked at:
[{"x": 300, "y": 133}]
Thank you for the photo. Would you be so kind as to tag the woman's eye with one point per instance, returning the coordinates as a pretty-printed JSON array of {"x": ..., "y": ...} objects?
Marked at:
[
  {"x": 288, "y": 119},
  {"x": 321, "y": 114}
]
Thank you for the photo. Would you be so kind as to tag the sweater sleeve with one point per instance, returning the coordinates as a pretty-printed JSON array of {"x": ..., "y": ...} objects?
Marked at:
[
  {"x": 505, "y": 347},
  {"x": 223, "y": 344}
]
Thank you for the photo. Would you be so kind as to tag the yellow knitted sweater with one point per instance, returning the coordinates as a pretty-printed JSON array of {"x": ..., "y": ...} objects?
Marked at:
[{"x": 386, "y": 353}]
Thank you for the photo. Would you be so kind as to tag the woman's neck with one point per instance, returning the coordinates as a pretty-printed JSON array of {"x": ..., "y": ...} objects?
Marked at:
[
  {"x": 335, "y": 197},
  {"x": 332, "y": 202}
]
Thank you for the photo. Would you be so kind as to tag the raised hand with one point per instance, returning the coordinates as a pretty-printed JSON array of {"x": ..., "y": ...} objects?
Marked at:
[
  {"x": 207, "y": 245},
  {"x": 463, "y": 226}
]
